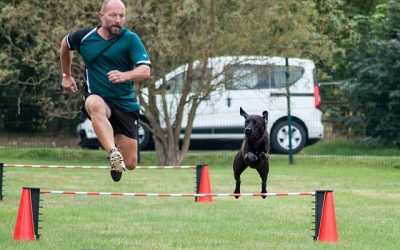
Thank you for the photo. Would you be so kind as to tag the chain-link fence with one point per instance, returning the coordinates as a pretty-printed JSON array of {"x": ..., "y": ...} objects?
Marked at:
[{"x": 218, "y": 130}]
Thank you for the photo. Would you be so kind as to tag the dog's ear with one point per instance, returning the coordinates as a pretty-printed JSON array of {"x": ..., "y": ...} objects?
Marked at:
[
  {"x": 243, "y": 113},
  {"x": 265, "y": 115}
]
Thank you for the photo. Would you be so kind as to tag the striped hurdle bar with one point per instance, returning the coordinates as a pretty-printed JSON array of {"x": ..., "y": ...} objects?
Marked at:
[
  {"x": 92, "y": 167},
  {"x": 200, "y": 169},
  {"x": 174, "y": 195},
  {"x": 28, "y": 213}
]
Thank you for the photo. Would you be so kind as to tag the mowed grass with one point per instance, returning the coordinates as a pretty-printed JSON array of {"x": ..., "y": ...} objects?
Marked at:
[{"x": 366, "y": 197}]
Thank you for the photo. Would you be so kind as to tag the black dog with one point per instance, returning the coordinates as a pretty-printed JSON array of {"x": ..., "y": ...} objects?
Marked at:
[{"x": 254, "y": 151}]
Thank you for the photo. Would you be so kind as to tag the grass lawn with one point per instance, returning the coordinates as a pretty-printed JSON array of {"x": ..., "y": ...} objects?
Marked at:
[{"x": 366, "y": 197}]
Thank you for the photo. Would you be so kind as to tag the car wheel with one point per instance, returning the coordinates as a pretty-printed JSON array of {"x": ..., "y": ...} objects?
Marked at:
[
  {"x": 280, "y": 137},
  {"x": 92, "y": 143},
  {"x": 143, "y": 137}
]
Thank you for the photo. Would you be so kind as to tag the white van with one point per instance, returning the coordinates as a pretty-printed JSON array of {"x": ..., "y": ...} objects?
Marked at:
[{"x": 255, "y": 83}]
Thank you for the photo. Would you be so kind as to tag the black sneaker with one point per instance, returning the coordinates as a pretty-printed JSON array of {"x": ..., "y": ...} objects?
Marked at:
[
  {"x": 117, "y": 164},
  {"x": 115, "y": 175}
]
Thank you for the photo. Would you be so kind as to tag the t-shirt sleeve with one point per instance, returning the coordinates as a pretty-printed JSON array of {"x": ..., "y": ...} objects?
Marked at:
[
  {"x": 74, "y": 39},
  {"x": 138, "y": 53}
]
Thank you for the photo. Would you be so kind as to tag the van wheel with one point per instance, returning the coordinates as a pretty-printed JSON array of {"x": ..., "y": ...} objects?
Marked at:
[
  {"x": 143, "y": 137},
  {"x": 280, "y": 137}
]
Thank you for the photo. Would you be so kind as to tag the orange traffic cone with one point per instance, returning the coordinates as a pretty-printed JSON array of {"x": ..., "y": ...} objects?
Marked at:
[
  {"x": 205, "y": 186},
  {"x": 328, "y": 230},
  {"x": 24, "y": 229}
]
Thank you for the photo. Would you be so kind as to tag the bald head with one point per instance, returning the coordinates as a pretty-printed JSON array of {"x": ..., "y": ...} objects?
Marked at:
[{"x": 108, "y": 3}]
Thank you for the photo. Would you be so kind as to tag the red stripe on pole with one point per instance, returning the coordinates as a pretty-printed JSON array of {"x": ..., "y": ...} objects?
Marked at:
[{"x": 66, "y": 192}]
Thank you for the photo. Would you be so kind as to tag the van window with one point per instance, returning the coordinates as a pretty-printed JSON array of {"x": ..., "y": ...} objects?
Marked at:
[
  {"x": 249, "y": 76},
  {"x": 175, "y": 84}
]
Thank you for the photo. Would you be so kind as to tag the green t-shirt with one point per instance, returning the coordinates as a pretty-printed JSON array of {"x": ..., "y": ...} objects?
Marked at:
[{"x": 123, "y": 55}]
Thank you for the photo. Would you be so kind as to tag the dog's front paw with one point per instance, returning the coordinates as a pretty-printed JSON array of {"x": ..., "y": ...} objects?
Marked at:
[
  {"x": 237, "y": 191},
  {"x": 264, "y": 155},
  {"x": 251, "y": 158},
  {"x": 264, "y": 192}
]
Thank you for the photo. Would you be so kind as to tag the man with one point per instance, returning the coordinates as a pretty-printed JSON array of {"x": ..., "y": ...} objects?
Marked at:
[{"x": 115, "y": 58}]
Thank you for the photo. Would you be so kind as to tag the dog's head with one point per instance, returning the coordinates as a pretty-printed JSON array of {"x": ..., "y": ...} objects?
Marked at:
[{"x": 254, "y": 125}]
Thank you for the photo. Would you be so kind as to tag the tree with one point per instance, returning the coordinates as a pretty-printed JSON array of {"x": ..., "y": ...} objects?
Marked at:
[
  {"x": 360, "y": 7},
  {"x": 30, "y": 35},
  {"x": 191, "y": 31},
  {"x": 180, "y": 32},
  {"x": 374, "y": 92}
]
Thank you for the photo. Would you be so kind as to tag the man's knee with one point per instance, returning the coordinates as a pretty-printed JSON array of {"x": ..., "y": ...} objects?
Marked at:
[
  {"x": 94, "y": 104},
  {"x": 131, "y": 165}
]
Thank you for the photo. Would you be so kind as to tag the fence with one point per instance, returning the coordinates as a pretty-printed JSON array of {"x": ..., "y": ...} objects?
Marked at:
[{"x": 21, "y": 129}]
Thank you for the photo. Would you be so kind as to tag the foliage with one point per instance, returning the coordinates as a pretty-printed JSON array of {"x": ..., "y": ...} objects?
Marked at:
[
  {"x": 374, "y": 92},
  {"x": 360, "y": 7},
  {"x": 30, "y": 34}
]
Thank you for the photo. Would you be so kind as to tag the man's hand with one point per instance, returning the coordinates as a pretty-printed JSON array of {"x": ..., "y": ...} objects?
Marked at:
[
  {"x": 116, "y": 76},
  {"x": 69, "y": 84},
  {"x": 140, "y": 73}
]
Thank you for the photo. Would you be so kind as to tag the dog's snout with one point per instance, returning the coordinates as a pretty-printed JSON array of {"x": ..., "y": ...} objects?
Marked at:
[{"x": 247, "y": 131}]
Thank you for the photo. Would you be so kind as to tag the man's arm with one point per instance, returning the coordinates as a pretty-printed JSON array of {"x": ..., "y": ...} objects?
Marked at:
[
  {"x": 68, "y": 82},
  {"x": 140, "y": 73}
]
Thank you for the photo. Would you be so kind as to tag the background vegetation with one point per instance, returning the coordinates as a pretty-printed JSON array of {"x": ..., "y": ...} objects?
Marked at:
[{"x": 354, "y": 42}]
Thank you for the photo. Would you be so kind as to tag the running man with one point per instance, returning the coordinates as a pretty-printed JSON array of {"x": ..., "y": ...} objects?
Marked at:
[{"x": 114, "y": 58}]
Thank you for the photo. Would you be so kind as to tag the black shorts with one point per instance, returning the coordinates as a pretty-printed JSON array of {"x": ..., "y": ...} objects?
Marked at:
[{"x": 122, "y": 122}]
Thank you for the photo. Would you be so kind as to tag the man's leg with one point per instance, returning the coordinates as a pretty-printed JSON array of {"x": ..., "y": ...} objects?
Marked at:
[
  {"x": 99, "y": 113},
  {"x": 128, "y": 148}
]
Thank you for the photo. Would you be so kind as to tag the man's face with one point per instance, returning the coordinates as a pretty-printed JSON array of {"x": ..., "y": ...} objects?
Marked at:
[{"x": 113, "y": 17}]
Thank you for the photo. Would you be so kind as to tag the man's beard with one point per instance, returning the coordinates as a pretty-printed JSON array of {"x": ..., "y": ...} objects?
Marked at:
[{"x": 113, "y": 30}]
